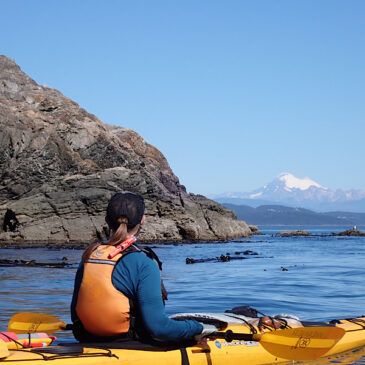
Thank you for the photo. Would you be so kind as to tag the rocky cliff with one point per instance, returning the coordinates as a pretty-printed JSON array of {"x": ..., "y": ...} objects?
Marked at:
[{"x": 59, "y": 165}]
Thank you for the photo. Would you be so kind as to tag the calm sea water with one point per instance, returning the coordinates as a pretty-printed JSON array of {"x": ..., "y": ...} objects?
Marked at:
[{"x": 324, "y": 278}]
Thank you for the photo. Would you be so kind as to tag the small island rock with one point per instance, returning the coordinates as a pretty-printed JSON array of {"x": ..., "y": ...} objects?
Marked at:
[
  {"x": 293, "y": 233},
  {"x": 255, "y": 230},
  {"x": 350, "y": 232}
]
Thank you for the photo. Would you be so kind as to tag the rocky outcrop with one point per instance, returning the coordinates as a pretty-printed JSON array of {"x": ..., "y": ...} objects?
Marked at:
[
  {"x": 350, "y": 232},
  {"x": 255, "y": 231},
  {"x": 293, "y": 233},
  {"x": 59, "y": 165}
]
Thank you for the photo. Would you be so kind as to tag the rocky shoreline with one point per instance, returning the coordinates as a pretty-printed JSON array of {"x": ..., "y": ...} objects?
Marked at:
[
  {"x": 59, "y": 245},
  {"x": 82, "y": 246}
]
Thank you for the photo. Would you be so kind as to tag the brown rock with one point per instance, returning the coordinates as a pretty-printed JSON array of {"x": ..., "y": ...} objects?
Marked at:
[
  {"x": 293, "y": 233},
  {"x": 60, "y": 165},
  {"x": 255, "y": 230},
  {"x": 350, "y": 232}
]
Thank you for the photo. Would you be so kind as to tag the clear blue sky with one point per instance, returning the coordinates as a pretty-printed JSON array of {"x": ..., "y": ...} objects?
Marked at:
[{"x": 232, "y": 92}]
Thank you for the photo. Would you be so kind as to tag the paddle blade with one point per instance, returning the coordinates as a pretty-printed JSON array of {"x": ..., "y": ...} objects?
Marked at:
[
  {"x": 4, "y": 352},
  {"x": 35, "y": 322},
  {"x": 302, "y": 343}
]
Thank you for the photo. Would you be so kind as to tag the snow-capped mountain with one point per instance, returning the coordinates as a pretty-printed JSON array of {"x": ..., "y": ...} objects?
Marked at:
[
  {"x": 287, "y": 186},
  {"x": 287, "y": 189}
]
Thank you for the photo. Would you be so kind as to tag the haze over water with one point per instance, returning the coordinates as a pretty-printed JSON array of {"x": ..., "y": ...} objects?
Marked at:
[{"x": 324, "y": 278}]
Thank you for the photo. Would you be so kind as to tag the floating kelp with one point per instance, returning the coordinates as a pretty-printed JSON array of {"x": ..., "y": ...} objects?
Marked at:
[
  {"x": 293, "y": 233},
  {"x": 224, "y": 258},
  {"x": 34, "y": 263},
  {"x": 247, "y": 252}
]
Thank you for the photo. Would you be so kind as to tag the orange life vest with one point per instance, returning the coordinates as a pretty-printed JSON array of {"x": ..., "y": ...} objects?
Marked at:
[{"x": 102, "y": 309}]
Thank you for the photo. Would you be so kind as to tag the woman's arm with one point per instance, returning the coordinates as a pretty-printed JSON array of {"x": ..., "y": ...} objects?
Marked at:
[
  {"x": 138, "y": 277},
  {"x": 153, "y": 311}
]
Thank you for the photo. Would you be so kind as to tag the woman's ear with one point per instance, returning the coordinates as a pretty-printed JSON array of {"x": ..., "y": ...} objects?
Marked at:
[{"x": 143, "y": 219}]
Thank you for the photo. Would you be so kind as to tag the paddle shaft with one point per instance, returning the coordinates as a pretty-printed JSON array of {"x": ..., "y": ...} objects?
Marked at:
[{"x": 229, "y": 336}]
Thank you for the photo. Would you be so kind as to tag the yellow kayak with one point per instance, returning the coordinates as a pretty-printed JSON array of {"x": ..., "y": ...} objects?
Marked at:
[{"x": 216, "y": 351}]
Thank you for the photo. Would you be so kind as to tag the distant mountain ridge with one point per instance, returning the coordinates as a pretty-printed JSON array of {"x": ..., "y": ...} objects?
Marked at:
[
  {"x": 289, "y": 190},
  {"x": 282, "y": 215}
]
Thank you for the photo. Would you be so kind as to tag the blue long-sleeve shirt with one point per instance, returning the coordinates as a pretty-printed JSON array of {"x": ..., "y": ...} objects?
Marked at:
[{"x": 138, "y": 277}]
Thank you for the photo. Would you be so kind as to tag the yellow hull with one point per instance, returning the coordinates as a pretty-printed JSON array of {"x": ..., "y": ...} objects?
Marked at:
[{"x": 215, "y": 352}]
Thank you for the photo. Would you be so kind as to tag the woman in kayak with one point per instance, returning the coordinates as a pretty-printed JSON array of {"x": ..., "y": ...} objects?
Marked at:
[{"x": 117, "y": 290}]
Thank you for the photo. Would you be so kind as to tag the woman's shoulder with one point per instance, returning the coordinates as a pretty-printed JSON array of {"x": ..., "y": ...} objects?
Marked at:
[{"x": 138, "y": 259}]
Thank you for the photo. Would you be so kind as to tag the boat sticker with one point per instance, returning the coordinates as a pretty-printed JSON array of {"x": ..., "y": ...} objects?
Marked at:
[
  {"x": 34, "y": 326},
  {"x": 238, "y": 343},
  {"x": 303, "y": 342},
  {"x": 251, "y": 343},
  {"x": 218, "y": 344}
]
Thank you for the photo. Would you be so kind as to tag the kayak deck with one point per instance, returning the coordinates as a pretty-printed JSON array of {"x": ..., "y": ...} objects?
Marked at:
[{"x": 214, "y": 352}]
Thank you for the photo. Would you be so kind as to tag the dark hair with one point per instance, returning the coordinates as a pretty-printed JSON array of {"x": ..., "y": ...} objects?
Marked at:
[
  {"x": 125, "y": 210},
  {"x": 125, "y": 204}
]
